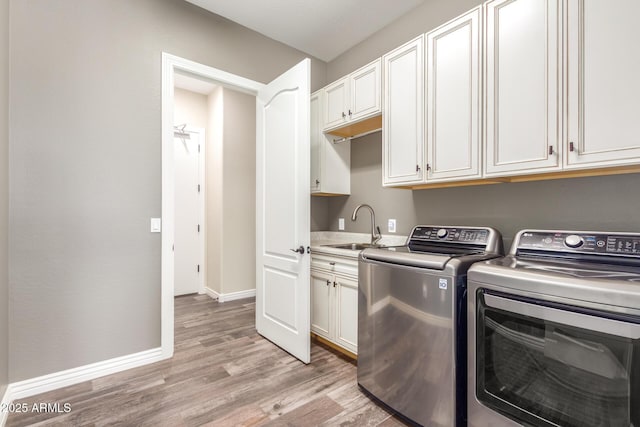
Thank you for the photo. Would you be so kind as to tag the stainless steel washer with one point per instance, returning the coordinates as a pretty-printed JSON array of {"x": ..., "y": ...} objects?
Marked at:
[
  {"x": 411, "y": 321},
  {"x": 554, "y": 332}
]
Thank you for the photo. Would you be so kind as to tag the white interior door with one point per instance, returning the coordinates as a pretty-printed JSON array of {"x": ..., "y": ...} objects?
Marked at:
[
  {"x": 282, "y": 211},
  {"x": 187, "y": 214}
]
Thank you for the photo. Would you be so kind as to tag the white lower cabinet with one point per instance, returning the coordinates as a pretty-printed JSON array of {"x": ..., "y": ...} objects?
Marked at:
[{"x": 334, "y": 305}]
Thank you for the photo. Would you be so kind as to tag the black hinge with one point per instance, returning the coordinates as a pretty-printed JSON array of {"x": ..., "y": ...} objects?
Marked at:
[
  {"x": 198, "y": 268},
  {"x": 198, "y": 188},
  {"x": 198, "y": 228}
]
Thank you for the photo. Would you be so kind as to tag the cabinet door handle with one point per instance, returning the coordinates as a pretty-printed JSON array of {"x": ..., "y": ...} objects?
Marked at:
[
  {"x": 428, "y": 167},
  {"x": 417, "y": 168},
  {"x": 334, "y": 284},
  {"x": 332, "y": 264},
  {"x": 572, "y": 147},
  {"x": 344, "y": 115},
  {"x": 349, "y": 112},
  {"x": 317, "y": 181},
  {"x": 551, "y": 150},
  {"x": 328, "y": 282}
]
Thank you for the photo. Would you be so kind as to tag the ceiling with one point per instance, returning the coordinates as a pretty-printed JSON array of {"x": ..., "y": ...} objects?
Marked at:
[{"x": 322, "y": 28}]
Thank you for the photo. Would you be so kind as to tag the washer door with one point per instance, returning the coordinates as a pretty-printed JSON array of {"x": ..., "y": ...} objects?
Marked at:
[{"x": 545, "y": 363}]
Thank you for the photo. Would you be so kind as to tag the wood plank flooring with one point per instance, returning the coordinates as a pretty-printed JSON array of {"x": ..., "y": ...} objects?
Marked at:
[{"x": 222, "y": 374}]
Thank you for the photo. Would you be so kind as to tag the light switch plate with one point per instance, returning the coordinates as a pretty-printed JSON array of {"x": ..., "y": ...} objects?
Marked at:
[
  {"x": 341, "y": 224},
  {"x": 156, "y": 225},
  {"x": 391, "y": 226}
]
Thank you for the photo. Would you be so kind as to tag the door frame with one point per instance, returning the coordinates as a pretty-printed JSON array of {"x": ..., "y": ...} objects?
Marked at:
[
  {"x": 171, "y": 64},
  {"x": 202, "y": 219}
]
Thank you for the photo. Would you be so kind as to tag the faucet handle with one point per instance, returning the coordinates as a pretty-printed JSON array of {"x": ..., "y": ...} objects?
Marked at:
[{"x": 378, "y": 230}]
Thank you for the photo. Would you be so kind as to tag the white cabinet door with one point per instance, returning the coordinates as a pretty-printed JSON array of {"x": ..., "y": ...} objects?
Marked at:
[
  {"x": 330, "y": 163},
  {"x": 453, "y": 99},
  {"x": 365, "y": 91},
  {"x": 282, "y": 211},
  {"x": 346, "y": 316},
  {"x": 403, "y": 118},
  {"x": 336, "y": 103},
  {"x": 603, "y": 83},
  {"x": 315, "y": 140},
  {"x": 523, "y": 77},
  {"x": 321, "y": 289}
]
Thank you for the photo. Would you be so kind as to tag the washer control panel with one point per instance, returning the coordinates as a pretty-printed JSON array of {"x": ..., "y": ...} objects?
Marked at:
[
  {"x": 581, "y": 242},
  {"x": 450, "y": 234}
]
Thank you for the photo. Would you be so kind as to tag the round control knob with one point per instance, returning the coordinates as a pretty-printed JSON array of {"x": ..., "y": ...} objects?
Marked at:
[
  {"x": 573, "y": 241},
  {"x": 442, "y": 233}
]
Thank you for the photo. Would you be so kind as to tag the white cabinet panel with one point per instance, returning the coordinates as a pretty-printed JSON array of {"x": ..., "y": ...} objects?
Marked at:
[
  {"x": 365, "y": 91},
  {"x": 523, "y": 76},
  {"x": 346, "y": 299},
  {"x": 321, "y": 284},
  {"x": 403, "y": 120},
  {"x": 603, "y": 83},
  {"x": 315, "y": 140},
  {"x": 330, "y": 163},
  {"x": 453, "y": 99},
  {"x": 335, "y": 103}
]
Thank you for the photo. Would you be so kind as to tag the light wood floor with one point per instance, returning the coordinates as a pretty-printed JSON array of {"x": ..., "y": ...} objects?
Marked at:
[{"x": 222, "y": 374}]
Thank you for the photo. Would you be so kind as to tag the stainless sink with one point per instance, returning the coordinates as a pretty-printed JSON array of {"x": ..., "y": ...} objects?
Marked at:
[{"x": 354, "y": 246}]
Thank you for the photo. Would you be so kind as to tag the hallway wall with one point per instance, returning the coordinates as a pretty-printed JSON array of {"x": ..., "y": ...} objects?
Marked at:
[{"x": 85, "y": 161}]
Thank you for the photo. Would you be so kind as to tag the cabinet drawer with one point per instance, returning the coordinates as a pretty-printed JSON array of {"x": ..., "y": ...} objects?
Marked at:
[{"x": 344, "y": 266}]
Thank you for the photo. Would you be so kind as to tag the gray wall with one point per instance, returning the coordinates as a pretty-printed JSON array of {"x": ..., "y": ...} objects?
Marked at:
[
  {"x": 607, "y": 203},
  {"x": 86, "y": 169},
  {"x": 4, "y": 191},
  {"x": 431, "y": 14},
  {"x": 231, "y": 195},
  {"x": 239, "y": 193}
]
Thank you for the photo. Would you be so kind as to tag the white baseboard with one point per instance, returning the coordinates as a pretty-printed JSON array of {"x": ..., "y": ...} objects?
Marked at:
[
  {"x": 33, "y": 386},
  {"x": 213, "y": 294},
  {"x": 232, "y": 296}
]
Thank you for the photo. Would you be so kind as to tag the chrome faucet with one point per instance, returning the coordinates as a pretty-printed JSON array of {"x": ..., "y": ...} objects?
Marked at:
[{"x": 375, "y": 231}]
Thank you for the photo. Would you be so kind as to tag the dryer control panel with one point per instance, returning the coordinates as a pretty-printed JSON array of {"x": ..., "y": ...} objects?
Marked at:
[
  {"x": 585, "y": 242},
  {"x": 450, "y": 234}
]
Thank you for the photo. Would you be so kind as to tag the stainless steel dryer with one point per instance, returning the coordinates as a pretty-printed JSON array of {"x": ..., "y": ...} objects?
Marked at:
[
  {"x": 411, "y": 321},
  {"x": 554, "y": 332}
]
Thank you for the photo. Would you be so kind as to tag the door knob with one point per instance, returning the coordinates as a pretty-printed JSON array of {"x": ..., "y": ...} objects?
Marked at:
[{"x": 300, "y": 250}]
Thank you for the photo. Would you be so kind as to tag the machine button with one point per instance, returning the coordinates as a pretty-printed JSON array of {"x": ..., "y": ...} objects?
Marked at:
[
  {"x": 573, "y": 241},
  {"x": 442, "y": 233}
]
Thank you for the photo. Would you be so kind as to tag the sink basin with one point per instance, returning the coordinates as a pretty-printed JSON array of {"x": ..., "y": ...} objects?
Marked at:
[{"x": 355, "y": 246}]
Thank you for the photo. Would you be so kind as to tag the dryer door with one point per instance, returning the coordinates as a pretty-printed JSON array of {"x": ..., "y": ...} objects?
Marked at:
[{"x": 545, "y": 363}]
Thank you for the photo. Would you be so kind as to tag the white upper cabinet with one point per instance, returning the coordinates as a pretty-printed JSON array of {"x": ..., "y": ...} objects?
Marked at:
[
  {"x": 365, "y": 91},
  {"x": 330, "y": 163},
  {"x": 353, "y": 98},
  {"x": 453, "y": 99},
  {"x": 336, "y": 103},
  {"x": 523, "y": 78},
  {"x": 403, "y": 119},
  {"x": 603, "y": 85}
]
